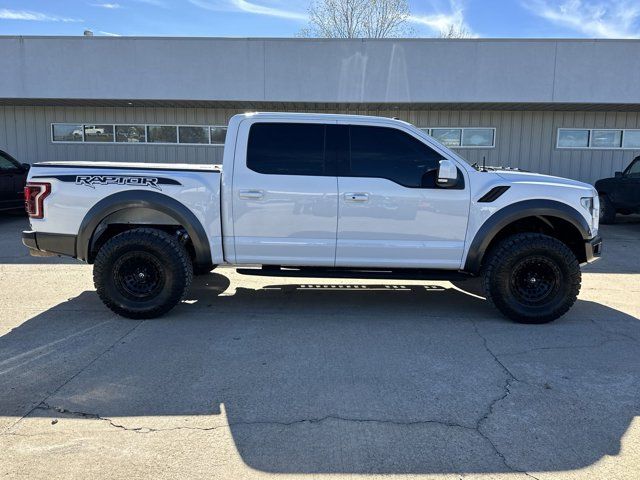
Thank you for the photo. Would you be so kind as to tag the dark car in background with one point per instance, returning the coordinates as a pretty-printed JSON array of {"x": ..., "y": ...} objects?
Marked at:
[
  {"x": 13, "y": 176},
  {"x": 620, "y": 194}
]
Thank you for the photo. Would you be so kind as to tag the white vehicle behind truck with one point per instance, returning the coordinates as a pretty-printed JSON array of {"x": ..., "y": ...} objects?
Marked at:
[{"x": 310, "y": 195}]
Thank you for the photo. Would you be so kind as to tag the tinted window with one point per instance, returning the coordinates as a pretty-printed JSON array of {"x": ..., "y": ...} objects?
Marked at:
[
  {"x": 389, "y": 153},
  {"x": 286, "y": 149},
  {"x": 6, "y": 164},
  {"x": 634, "y": 168}
]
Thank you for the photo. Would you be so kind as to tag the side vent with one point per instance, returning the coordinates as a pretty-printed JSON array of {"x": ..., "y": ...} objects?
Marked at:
[{"x": 493, "y": 194}]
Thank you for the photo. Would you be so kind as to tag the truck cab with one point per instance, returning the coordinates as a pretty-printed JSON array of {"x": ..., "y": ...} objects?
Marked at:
[{"x": 319, "y": 195}]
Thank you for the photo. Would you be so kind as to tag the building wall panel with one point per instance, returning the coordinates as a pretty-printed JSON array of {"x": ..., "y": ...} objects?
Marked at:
[{"x": 524, "y": 139}]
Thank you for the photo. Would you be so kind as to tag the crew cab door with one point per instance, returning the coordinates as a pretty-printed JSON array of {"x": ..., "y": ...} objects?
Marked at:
[
  {"x": 285, "y": 195},
  {"x": 391, "y": 212}
]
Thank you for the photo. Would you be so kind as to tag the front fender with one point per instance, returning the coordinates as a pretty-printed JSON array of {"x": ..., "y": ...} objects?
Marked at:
[{"x": 516, "y": 211}]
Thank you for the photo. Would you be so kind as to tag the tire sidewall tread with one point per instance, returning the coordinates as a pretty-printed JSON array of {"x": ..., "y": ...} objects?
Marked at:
[
  {"x": 177, "y": 269},
  {"x": 497, "y": 274}
]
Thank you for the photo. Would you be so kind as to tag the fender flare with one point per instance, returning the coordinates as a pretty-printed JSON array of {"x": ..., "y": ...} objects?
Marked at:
[
  {"x": 516, "y": 211},
  {"x": 144, "y": 199}
]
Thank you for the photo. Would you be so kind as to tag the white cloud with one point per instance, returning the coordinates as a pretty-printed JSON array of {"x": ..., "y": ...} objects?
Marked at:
[
  {"x": 443, "y": 18},
  {"x": 28, "y": 15},
  {"x": 594, "y": 18},
  {"x": 109, "y": 34},
  {"x": 109, "y": 6},
  {"x": 269, "y": 8}
]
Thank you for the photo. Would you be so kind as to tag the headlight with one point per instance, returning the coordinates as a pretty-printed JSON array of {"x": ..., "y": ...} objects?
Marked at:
[
  {"x": 591, "y": 205},
  {"x": 587, "y": 203}
]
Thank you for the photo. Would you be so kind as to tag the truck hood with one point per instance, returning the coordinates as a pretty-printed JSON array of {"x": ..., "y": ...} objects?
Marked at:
[{"x": 537, "y": 178}]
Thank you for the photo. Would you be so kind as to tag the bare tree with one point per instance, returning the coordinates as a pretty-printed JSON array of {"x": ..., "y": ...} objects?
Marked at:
[
  {"x": 455, "y": 31},
  {"x": 358, "y": 19}
]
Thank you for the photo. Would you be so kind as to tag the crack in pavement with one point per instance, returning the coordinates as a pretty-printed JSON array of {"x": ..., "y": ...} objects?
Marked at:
[
  {"x": 66, "y": 382},
  {"x": 506, "y": 392}
]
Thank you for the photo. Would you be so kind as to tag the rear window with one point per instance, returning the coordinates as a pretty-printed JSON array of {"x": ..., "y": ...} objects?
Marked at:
[{"x": 287, "y": 148}]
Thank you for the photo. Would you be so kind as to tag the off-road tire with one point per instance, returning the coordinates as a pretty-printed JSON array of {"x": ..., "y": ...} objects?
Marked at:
[
  {"x": 607, "y": 210},
  {"x": 531, "y": 278},
  {"x": 142, "y": 273}
]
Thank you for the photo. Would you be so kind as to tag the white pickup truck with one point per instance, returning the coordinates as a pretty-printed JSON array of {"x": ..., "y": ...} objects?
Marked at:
[{"x": 312, "y": 195}]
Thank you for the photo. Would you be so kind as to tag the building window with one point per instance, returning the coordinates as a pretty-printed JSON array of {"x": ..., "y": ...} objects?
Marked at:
[
  {"x": 131, "y": 134},
  {"x": 631, "y": 139},
  {"x": 98, "y": 133},
  {"x": 466, "y": 137},
  {"x": 598, "y": 138},
  {"x": 139, "y": 134},
  {"x": 162, "y": 134},
  {"x": 67, "y": 132},
  {"x": 193, "y": 134},
  {"x": 449, "y": 137},
  {"x": 606, "y": 138},
  {"x": 218, "y": 135}
]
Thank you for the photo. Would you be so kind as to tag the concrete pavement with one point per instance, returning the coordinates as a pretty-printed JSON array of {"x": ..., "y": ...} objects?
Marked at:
[{"x": 259, "y": 377}]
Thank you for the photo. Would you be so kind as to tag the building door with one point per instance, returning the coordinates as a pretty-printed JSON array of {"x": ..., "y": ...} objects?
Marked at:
[
  {"x": 285, "y": 195},
  {"x": 391, "y": 213}
]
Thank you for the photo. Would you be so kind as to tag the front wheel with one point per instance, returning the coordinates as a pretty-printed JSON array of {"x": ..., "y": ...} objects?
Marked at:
[
  {"x": 142, "y": 273},
  {"x": 532, "y": 278}
]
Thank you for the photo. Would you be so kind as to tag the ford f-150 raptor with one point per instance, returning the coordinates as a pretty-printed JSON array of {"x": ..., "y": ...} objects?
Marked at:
[{"x": 313, "y": 195}]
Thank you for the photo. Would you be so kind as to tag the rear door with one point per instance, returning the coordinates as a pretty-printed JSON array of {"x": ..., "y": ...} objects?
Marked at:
[
  {"x": 285, "y": 194},
  {"x": 391, "y": 213}
]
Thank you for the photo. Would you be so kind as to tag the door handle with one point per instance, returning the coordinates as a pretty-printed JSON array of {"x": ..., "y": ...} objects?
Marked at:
[
  {"x": 251, "y": 194},
  {"x": 356, "y": 197}
]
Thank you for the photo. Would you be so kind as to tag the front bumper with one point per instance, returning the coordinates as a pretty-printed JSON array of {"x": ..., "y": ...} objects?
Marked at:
[
  {"x": 52, "y": 243},
  {"x": 593, "y": 248}
]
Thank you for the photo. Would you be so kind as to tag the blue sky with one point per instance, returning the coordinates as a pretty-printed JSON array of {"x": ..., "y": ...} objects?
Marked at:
[{"x": 285, "y": 18}]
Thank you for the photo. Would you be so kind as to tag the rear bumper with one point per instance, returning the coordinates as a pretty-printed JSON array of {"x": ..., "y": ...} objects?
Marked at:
[
  {"x": 56, "y": 243},
  {"x": 593, "y": 248}
]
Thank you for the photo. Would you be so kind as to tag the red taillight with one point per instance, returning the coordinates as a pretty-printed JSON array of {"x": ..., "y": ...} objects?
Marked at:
[{"x": 34, "y": 195}]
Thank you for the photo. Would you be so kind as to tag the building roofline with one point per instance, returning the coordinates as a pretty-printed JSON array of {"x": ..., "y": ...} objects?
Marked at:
[{"x": 296, "y": 39}]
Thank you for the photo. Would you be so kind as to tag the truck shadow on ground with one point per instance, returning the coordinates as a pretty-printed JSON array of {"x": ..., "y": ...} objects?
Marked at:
[{"x": 351, "y": 379}]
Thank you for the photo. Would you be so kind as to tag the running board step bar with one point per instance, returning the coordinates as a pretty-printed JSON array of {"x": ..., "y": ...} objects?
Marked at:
[{"x": 363, "y": 274}]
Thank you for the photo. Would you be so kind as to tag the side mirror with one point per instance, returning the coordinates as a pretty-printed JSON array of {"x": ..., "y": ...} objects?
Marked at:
[
  {"x": 26, "y": 167},
  {"x": 618, "y": 174},
  {"x": 447, "y": 174}
]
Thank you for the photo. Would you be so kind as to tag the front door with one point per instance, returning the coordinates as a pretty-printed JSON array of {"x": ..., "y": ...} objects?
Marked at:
[
  {"x": 391, "y": 212},
  {"x": 285, "y": 195}
]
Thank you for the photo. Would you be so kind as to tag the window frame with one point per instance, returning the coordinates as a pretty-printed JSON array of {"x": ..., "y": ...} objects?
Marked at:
[
  {"x": 591, "y": 130},
  {"x": 146, "y": 126},
  {"x": 428, "y": 130}
]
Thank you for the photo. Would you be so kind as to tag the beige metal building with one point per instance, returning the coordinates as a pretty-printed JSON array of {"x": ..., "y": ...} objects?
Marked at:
[{"x": 564, "y": 107}]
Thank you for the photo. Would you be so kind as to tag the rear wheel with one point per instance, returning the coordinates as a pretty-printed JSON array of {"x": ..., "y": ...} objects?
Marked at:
[
  {"x": 142, "y": 273},
  {"x": 607, "y": 210},
  {"x": 532, "y": 278}
]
